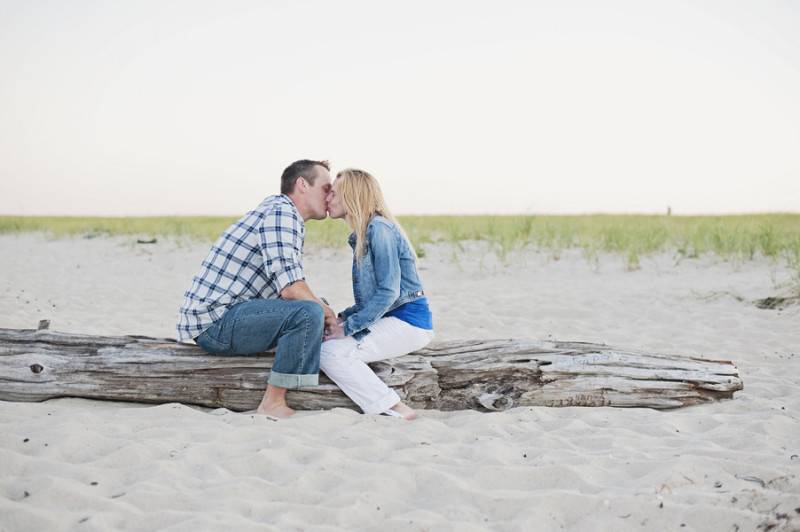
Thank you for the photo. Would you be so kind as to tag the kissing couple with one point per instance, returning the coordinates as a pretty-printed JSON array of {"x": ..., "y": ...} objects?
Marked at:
[{"x": 251, "y": 293}]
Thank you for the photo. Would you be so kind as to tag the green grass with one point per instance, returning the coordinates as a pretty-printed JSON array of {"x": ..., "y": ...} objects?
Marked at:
[
  {"x": 632, "y": 236},
  {"x": 196, "y": 227}
]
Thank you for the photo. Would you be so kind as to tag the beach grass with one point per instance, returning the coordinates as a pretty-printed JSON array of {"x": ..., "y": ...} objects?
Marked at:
[{"x": 633, "y": 236}]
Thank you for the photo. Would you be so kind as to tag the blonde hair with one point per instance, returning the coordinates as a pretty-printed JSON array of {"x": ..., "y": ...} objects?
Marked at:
[{"x": 362, "y": 199}]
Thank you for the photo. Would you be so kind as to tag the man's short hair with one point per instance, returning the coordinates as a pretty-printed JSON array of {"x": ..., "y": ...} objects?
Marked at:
[{"x": 302, "y": 168}]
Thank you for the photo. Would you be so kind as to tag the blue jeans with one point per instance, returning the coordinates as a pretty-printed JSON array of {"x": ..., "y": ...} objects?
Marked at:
[{"x": 293, "y": 328}]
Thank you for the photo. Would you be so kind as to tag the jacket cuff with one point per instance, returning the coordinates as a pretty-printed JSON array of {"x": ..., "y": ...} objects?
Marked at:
[{"x": 347, "y": 327}]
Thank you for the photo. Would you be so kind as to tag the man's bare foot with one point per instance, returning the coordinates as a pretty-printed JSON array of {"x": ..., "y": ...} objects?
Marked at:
[
  {"x": 405, "y": 411},
  {"x": 274, "y": 403},
  {"x": 278, "y": 410}
]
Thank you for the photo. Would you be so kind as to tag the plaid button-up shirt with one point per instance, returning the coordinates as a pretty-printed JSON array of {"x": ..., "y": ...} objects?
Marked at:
[{"x": 256, "y": 257}]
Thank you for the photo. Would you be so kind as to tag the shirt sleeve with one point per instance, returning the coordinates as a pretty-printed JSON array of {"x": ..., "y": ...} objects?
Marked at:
[{"x": 281, "y": 237}]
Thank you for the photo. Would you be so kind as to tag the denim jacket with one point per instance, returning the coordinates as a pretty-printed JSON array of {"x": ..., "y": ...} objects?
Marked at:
[{"x": 385, "y": 277}]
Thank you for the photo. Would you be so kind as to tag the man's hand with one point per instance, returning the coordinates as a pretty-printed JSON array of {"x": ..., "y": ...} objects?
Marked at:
[
  {"x": 299, "y": 290},
  {"x": 330, "y": 319},
  {"x": 337, "y": 331}
]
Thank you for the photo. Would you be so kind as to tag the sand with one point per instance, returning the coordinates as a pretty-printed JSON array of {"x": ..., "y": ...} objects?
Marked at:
[{"x": 73, "y": 464}]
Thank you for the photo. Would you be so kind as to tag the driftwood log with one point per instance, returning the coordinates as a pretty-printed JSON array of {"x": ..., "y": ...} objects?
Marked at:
[{"x": 36, "y": 365}]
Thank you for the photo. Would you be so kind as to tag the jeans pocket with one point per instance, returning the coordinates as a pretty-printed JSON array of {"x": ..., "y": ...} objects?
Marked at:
[{"x": 210, "y": 342}]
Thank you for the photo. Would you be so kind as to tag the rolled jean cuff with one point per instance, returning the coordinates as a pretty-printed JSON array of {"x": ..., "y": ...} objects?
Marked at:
[
  {"x": 292, "y": 381},
  {"x": 389, "y": 399}
]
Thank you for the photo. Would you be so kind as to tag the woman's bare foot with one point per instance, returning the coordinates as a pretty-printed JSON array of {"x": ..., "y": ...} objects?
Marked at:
[
  {"x": 278, "y": 410},
  {"x": 405, "y": 411}
]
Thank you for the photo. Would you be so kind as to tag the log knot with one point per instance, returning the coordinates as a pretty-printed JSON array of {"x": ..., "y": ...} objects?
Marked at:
[{"x": 495, "y": 401}]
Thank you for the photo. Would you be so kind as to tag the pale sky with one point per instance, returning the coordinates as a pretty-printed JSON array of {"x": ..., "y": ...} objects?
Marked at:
[{"x": 195, "y": 107}]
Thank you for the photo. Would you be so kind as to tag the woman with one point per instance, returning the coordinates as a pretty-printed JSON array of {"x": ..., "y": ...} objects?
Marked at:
[{"x": 390, "y": 317}]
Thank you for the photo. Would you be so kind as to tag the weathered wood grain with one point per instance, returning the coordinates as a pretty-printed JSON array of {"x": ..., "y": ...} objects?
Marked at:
[{"x": 36, "y": 365}]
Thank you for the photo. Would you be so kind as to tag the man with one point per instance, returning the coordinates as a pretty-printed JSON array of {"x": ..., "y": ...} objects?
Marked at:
[{"x": 251, "y": 294}]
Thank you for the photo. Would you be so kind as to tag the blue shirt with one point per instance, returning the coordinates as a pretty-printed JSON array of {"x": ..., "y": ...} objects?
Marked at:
[{"x": 416, "y": 313}]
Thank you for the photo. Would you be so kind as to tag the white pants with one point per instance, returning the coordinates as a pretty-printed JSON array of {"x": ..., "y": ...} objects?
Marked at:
[{"x": 344, "y": 361}]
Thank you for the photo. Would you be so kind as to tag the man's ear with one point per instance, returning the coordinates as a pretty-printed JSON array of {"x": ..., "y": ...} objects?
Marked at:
[{"x": 301, "y": 181}]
